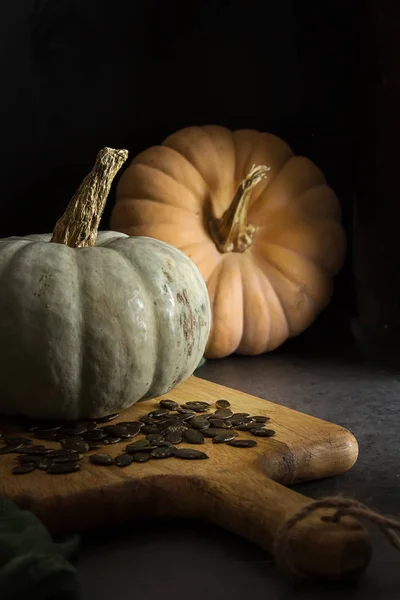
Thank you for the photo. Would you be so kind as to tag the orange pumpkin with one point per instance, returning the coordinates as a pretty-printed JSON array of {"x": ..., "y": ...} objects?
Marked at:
[{"x": 267, "y": 239}]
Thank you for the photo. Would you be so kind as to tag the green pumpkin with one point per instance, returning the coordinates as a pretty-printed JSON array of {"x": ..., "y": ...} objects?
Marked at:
[{"x": 92, "y": 323}]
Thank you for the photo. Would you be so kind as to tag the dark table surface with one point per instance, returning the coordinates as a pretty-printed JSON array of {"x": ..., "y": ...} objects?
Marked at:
[{"x": 197, "y": 561}]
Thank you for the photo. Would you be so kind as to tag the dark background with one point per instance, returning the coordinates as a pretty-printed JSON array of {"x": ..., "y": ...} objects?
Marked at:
[{"x": 82, "y": 74}]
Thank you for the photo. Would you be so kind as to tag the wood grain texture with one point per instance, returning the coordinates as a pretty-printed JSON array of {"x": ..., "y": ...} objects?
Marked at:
[{"x": 239, "y": 489}]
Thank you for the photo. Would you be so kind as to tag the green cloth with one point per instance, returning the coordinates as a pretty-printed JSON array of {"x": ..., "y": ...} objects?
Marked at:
[{"x": 32, "y": 565}]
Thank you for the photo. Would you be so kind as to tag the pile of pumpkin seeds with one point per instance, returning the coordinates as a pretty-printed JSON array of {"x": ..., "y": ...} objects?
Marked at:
[{"x": 161, "y": 431}]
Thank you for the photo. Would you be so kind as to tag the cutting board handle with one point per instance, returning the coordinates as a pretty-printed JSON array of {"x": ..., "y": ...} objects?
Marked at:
[{"x": 257, "y": 508}]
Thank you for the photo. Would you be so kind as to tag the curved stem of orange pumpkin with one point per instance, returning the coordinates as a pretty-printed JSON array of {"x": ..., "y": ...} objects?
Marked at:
[
  {"x": 232, "y": 233},
  {"x": 78, "y": 227}
]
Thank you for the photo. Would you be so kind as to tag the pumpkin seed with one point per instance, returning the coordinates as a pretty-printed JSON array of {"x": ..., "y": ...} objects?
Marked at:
[
  {"x": 224, "y": 437},
  {"x": 222, "y": 404},
  {"x": 248, "y": 420},
  {"x": 49, "y": 427},
  {"x": 182, "y": 416},
  {"x": 195, "y": 406},
  {"x": 199, "y": 423},
  {"x": 165, "y": 452},
  {"x": 78, "y": 438},
  {"x": 71, "y": 457},
  {"x": 163, "y": 443},
  {"x": 123, "y": 460},
  {"x": 150, "y": 429},
  {"x": 137, "y": 446},
  {"x": 154, "y": 438},
  {"x": 110, "y": 439},
  {"x": 147, "y": 420},
  {"x": 46, "y": 435},
  {"x": 213, "y": 431},
  {"x": 260, "y": 419},
  {"x": 189, "y": 454},
  {"x": 94, "y": 445},
  {"x": 197, "y": 403},
  {"x": 131, "y": 424},
  {"x": 156, "y": 414},
  {"x": 174, "y": 437},
  {"x": 73, "y": 429},
  {"x": 22, "y": 469},
  {"x": 61, "y": 452},
  {"x": 220, "y": 423},
  {"x": 26, "y": 459},
  {"x": 17, "y": 440},
  {"x": 169, "y": 404},
  {"x": 114, "y": 430},
  {"x": 32, "y": 447},
  {"x": 223, "y": 413},
  {"x": 247, "y": 427},
  {"x": 90, "y": 425},
  {"x": 171, "y": 416},
  {"x": 261, "y": 432},
  {"x": 101, "y": 459},
  {"x": 174, "y": 426},
  {"x": 237, "y": 419},
  {"x": 163, "y": 423},
  {"x": 63, "y": 468},
  {"x": 193, "y": 436},
  {"x": 38, "y": 452},
  {"x": 43, "y": 463},
  {"x": 95, "y": 435},
  {"x": 134, "y": 428},
  {"x": 107, "y": 418},
  {"x": 8, "y": 448},
  {"x": 74, "y": 444},
  {"x": 34, "y": 450},
  {"x": 121, "y": 431},
  {"x": 242, "y": 443},
  {"x": 141, "y": 456},
  {"x": 185, "y": 411}
]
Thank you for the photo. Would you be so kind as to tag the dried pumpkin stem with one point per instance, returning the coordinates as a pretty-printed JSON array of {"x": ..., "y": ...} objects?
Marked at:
[
  {"x": 78, "y": 227},
  {"x": 231, "y": 233}
]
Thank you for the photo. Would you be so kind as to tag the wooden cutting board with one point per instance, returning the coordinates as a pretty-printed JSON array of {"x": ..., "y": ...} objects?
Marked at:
[{"x": 241, "y": 489}]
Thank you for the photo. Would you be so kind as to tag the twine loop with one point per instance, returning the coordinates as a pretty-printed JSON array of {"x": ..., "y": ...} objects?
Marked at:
[{"x": 343, "y": 507}]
